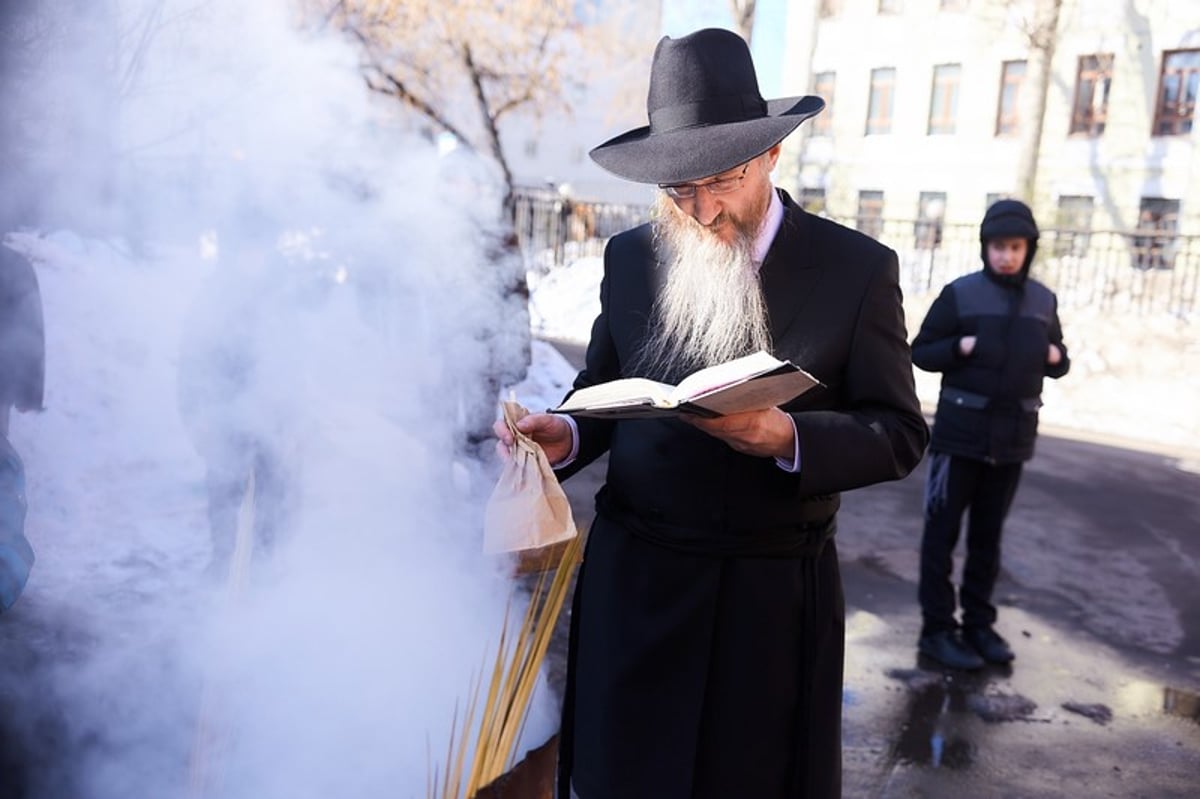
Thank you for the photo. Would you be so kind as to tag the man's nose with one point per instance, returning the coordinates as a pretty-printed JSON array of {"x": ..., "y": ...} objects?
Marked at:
[{"x": 705, "y": 207}]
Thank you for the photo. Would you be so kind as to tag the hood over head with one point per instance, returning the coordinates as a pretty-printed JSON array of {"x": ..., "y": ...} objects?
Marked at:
[{"x": 1008, "y": 219}]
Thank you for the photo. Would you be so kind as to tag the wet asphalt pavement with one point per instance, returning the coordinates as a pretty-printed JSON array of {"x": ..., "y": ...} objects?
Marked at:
[{"x": 1100, "y": 598}]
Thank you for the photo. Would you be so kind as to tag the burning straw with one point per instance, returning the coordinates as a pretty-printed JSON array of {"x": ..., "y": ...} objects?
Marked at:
[{"x": 509, "y": 690}]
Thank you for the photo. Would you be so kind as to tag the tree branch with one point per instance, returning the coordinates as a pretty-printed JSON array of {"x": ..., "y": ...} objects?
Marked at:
[
  {"x": 489, "y": 120},
  {"x": 396, "y": 88}
]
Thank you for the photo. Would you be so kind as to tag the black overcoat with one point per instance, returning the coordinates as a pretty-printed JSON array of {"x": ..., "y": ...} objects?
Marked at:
[{"x": 707, "y": 630}]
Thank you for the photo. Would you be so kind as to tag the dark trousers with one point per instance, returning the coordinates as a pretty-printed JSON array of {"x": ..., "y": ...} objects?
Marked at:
[{"x": 954, "y": 485}]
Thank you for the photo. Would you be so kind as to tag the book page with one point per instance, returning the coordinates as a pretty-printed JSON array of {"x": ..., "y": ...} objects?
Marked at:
[
  {"x": 616, "y": 393},
  {"x": 724, "y": 374},
  {"x": 758, "y": 394}
]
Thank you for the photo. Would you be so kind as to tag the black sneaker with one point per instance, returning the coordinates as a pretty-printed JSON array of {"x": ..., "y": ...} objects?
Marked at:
[
  {"x": 948, "y": 649},
  {"x": 988, "y": 643}
]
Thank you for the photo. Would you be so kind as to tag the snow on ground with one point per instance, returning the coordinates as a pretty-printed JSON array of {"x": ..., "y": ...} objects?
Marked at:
[
  {"x": 1134, "y": 380},
  {"x": 352, "y": 645}
]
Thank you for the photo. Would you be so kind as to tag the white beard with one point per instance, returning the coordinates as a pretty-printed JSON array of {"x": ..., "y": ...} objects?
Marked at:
[{"x": 711, "y": 307}]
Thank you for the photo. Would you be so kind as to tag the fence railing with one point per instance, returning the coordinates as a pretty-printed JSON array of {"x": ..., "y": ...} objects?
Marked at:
[
  {"x": 553, "y": 230},
  {"x": 1142, "y": 272}
]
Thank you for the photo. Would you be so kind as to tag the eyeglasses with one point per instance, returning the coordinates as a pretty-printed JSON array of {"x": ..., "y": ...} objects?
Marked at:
[{"x": 687, "y": 191}]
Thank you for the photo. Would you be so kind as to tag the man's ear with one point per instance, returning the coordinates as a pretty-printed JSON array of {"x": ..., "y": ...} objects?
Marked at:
[{"x": 773, "y": 157}]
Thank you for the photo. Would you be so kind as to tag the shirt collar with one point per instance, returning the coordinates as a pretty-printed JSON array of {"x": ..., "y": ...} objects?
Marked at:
[{"x": 770, "y": 226}]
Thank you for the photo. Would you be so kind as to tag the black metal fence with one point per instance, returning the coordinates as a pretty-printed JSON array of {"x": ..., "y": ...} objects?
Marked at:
[
  {"x": 555, "y": 230},
  {"x": 1141, "y": 272}
]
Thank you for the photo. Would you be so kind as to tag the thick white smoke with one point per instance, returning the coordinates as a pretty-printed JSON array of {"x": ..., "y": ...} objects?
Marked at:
[{"x": 278, "y": 259}]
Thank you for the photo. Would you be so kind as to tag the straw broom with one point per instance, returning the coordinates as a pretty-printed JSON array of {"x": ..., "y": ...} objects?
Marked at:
[{"x": 510, "y": 688}]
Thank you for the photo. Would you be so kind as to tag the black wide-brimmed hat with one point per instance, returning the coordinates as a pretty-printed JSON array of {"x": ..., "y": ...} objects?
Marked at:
[{"x": 706, "y": 113}]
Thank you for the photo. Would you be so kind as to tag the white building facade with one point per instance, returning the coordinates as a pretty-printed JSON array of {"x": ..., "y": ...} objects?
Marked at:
[{"x": 934, "y": 110}]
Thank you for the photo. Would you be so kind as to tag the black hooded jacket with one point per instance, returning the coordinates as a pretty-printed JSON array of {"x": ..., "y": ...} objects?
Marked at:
[{"x": 988, "y": 408}]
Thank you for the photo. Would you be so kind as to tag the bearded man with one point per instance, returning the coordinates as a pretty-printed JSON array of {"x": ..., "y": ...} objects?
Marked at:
[{"x": 708, "y": 622}]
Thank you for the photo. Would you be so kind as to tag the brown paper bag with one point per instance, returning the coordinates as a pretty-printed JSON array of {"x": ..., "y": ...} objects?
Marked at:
[{"x": 527, "y": 509}]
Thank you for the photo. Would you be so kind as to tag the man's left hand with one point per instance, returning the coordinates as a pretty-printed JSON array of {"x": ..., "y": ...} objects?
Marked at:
[{"x": 767, "y": 434}]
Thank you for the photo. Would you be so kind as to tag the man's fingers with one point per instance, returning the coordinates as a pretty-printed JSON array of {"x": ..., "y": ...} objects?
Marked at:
[
  {"x": 542, "y": 424},
  {"x": 503, "y": 433}
]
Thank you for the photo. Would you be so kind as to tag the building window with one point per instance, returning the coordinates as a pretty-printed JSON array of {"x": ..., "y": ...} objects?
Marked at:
[
  {"x": 531, "y": 148},
  {"x": 879, "y": 109},
  {"x": 822, "y": 123},
  {"x": 812, "y": 200},
  {"x": 1177, "y": 88},
  {"x": 943, "y": 101},
  {"x": 1160, "y": 216},
  {"x": 1092, "y": 81},
  {"x": 1012, "y": 75},
  {"x": 1073, "y": 224},
  {"x": 869, "y": 219},
  {"x": 830, "y": 8},
  {"x": 931, "y": 210},
  {"x": 952, "y": 5},
  {"x": 890, "y": 6},
  {"x": 994, "y": 197}
]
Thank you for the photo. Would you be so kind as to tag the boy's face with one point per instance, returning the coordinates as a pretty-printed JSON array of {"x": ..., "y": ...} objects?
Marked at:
[{"x": 1006, "y": 256}]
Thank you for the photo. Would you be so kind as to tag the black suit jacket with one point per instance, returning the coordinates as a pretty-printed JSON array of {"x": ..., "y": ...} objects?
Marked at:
[{"x": 834, "y": 308}]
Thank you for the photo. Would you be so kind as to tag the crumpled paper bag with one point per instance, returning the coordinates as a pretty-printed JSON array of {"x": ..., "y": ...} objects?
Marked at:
[{"x": 527, "y": 508}]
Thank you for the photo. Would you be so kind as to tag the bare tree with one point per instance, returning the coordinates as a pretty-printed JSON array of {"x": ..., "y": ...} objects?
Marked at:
[
  {"x": 743, "y": 17},
  {"x": 1041, "y": 31},
  {"x": 465, "y": 66}
]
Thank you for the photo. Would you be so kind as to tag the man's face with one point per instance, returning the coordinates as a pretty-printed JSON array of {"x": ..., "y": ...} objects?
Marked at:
[
  {"x": 732, "y": 213},
  {"x": 1006, "y": 256}
]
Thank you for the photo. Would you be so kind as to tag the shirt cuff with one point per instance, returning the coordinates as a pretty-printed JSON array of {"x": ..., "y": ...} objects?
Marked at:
[
  {"x": 792, "y": 465},
  {"x": 574, "y": 453}
]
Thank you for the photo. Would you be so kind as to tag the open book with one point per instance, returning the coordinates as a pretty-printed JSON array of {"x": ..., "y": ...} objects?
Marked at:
[{"x": 752, "y": 383}]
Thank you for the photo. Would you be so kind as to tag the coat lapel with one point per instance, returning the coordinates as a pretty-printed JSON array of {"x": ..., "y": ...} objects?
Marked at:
[{"x": 789, "y": 274}]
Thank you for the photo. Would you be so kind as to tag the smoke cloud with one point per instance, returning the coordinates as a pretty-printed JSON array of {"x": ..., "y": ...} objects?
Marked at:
[{"x": 247, "y": 265}]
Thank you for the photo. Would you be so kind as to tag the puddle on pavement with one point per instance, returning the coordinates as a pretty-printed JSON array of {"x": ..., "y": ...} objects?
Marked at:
[
  {"x": 933, "y": 733},
  {"x": 1065, "y": 695}
]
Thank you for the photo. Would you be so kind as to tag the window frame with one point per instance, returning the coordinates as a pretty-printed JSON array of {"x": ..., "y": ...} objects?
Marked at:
[
  {"x": 1008, "y": 115},
  {"x": 829, "y": 8},
  {"x": 868, "y": 217},
  {"x": 927, "y": 230},
  {"x": 1073, "y": 216},
  {"x": 881, "y": 125},
  {"x": 1086, "y": 119},
  {"x": 943, "y": 100},
  {"x": 1181, "y": 122},
  {"x": 1158, "y": 222}
]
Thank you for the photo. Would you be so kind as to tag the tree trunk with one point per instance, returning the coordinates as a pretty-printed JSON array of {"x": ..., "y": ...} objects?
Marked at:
[
  {"x": 743, "y": 17},
  {"x": 1043, "y": 42},
  {"x": 493, "y": 132}
]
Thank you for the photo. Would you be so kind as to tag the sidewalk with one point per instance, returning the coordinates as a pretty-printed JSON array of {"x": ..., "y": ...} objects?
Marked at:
[{"x": 1098, "y": 599}]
